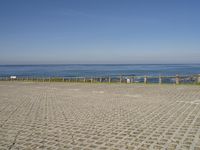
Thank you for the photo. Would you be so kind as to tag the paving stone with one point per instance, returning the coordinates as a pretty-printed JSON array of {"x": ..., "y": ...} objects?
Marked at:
[{"x": 60, "y": 116}]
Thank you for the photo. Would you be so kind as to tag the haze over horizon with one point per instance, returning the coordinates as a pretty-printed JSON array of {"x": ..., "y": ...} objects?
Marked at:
[{"x": 99, "y": 32}]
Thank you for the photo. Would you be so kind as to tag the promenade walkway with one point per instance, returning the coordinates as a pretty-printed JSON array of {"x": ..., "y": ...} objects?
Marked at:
[{"x": 62, "y": 116}]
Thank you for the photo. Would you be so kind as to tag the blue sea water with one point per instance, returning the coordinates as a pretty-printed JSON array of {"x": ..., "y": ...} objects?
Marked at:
[{"x": 89, "y": 70}]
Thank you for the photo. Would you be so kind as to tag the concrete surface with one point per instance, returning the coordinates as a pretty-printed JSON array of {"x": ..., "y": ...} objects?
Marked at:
[{"x": 62, "y": 116}]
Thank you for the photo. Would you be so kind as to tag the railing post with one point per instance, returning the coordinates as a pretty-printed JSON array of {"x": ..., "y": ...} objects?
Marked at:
[
  {"x": 160, "y": 80},
  {"x": 109, "y": 79},
  {"x": 177, "y": 79},
  {"x": 100, "y": 80},
  {"x": 120, "y": 80},
  {"x": 198, "y": 79},
  {"x": 145, "y": 79},
  {"x": 91, "y": 80},
  {"x": 133, "y": 79}
]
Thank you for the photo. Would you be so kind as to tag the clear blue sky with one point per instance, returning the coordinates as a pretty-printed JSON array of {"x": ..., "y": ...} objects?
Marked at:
[{"x": 99, "y": 31}]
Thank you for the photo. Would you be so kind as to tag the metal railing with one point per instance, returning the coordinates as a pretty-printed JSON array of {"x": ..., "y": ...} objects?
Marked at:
[{"x": 192, "y": 79}]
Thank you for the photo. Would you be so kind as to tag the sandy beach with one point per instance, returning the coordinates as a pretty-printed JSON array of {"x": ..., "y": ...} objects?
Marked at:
[{"x": 62, "y": 116}]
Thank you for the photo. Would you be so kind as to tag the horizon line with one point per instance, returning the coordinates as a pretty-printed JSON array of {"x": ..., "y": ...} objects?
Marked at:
[{"x": 101, "y": 64}]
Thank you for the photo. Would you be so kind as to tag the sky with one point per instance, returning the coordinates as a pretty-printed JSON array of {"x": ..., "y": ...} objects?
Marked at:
[{"x": 99, "y": 31}]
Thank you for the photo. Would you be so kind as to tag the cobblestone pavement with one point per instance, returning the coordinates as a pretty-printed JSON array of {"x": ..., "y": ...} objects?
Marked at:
[{"x": 62, "y": 116}]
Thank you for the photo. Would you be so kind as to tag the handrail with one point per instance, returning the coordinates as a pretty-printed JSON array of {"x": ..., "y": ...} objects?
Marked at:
[{"x": 178, "y": 79}]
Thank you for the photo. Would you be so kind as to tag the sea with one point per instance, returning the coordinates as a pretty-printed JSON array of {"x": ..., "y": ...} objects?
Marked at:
[{"x": 95, "y": 70}]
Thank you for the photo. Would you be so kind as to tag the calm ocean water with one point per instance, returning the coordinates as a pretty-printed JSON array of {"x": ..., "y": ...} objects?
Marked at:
[{"x": 97, "y": 70}]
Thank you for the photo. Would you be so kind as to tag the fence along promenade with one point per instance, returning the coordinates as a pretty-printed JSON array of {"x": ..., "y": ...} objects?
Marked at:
[{"x": 191, "y": 79}]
